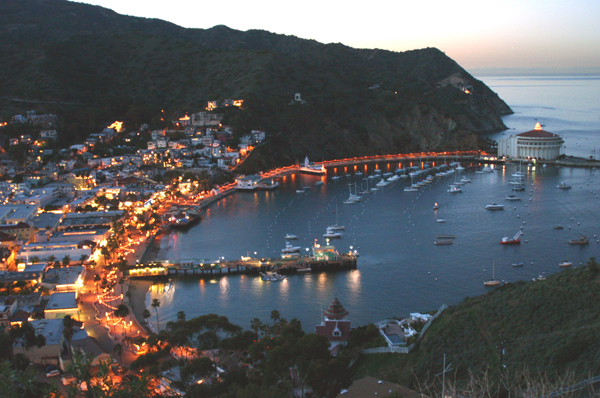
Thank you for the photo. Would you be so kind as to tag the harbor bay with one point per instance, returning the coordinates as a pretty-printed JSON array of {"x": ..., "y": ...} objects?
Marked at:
[{"x": 400, "y": 270}]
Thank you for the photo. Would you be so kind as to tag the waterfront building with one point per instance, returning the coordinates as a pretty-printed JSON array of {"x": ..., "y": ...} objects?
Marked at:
[
  {"x": 533, "y": 144},
  {"x": 335, "y": 325}
]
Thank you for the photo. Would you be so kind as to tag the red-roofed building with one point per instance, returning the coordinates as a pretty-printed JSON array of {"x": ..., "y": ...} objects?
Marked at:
[
  {"x": 335, "y": 325},
  {"x": 533, "y": 144}
]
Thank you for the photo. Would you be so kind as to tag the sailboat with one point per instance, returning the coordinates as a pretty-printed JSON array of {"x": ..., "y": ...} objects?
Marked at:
[
  {"x": 413, "y": 187},
  {"x": 337, "y": 226},
  {"x": 493, "y": 281}
]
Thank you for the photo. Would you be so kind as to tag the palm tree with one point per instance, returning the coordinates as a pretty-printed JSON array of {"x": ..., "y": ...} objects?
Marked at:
[
  {"x": 83, "y": 258},
  {"x": 256, "y": 325},
  {"x": 50, "y": 261},
  {"x": 118, "y": 349},
  {"x": 34, "y": 259},
  {"x": 68, "y": 330},
  {"x": 66, "y": 260},
  {"x": 155, "y": 304},
  {"x": 146, "y": 314},
  {"x": 275, "y": 315},
  {"x": 97, "y": 279}
]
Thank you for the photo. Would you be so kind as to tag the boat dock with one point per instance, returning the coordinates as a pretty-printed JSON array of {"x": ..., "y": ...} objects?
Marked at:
[{"x": 284, "y": 266}]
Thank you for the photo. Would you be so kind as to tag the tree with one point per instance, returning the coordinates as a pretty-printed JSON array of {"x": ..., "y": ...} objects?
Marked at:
[
  {"x": 155, "y": 304},
  {"x": 34, "y": 259},
  {"x": 66, "y": 260},
  {"x": 82, "y": 258},
  {"x": 146, "y": 314},
  {"x": 118, "y": 349},
  {"x": 50, "y": 262},
  {"x": 181, "y": 316},
  {"x": 256, "y": 325},
  {"x": 122, "y": 311},
  {"x": 97, "y": 279},
  {"x": 68, "y": 329}
]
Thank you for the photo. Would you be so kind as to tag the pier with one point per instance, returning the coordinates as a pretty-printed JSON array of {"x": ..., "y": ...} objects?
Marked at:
[{"x": 284, "y": 266}]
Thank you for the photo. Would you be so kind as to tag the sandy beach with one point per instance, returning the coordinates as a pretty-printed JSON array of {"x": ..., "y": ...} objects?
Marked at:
[{"x": 139, "y": 290}]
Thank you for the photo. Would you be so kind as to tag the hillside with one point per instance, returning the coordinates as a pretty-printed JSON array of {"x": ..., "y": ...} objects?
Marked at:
[
  {"x": 108, "y": 66},
  {"x": 549, "y": 326}
]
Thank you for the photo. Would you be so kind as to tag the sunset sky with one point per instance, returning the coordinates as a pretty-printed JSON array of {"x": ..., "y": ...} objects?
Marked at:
[{"x": 477, "y": 34}]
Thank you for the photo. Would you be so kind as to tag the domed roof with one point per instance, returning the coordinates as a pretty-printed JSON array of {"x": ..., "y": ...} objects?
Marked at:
[
  {"x": 537, "y": 132},
  {"x": 335, "y": 310}
]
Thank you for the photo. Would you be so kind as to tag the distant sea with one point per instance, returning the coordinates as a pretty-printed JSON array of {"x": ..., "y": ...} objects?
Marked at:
[{"x": 400, "y": 270}]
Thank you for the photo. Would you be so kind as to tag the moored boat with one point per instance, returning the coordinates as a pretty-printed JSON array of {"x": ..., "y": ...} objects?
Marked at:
[
  {"x": 582, "y": 240},
  {"x": 443, "y": 242},
  {"x": 563, "y": 185},
  {"x": 290, "y": 236},
  {"x": 565, "y": 264},
  {"x": 514, "y": 241},
  {"x": 494, "y": 206},
  {"x": 518, "y": 264},
  {"x": 512, "y": 197},
  {"x": 311, "y": 168},
  {"x": 493, "y": 281}
]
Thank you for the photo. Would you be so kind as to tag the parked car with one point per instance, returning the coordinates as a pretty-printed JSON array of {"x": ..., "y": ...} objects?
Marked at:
[{"x": 53, "y": 373}]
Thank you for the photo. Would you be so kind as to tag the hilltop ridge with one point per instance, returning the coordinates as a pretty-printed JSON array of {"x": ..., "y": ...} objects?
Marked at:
[{"x": 358, "y": 101}]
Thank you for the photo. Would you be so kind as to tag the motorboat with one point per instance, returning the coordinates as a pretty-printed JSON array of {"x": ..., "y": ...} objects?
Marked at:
[
  {"x": 382, "y": 183},
  {"x": 514, "y": 241},
  {"x": 558, "y": 227},
  {"x": 446, "y": 237},
  {"x": 436, "y": 206},
  {"x": 454, "y": 189},
  {"x": 440, "y": 220},
  {"x": 299, "y": 190},
  {"x": 318, "y": 183},
  {"x": 512, "y": 197},
  {"x": 493, "y": 281},
  {"x": 411, "y": 189},
  {"x": 518, "y": 264},
  {"x": 563, "y": 185},
  {"x": 494, "y": 206},
  {"x": 465, "y": 180},
  {"x": 518, "y": 188},
  {"x": 331, "y": 234},
  {"x": 565, "y": 264},
  {"x": 290, "y": 249},
  {"x": 290, "y": 236},
  {"x": 443, "y": 242},
  {"x": 582, "y": 240}
]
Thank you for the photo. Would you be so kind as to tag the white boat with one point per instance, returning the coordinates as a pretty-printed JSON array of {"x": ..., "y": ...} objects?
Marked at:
[
  {"x": 512, "y": 197},
  {"x": 382, "y": 183},
  {"x": 330, "y": 234},
  {"x": 290, "y": 236},
  {"x": 440, "y": 220},
  {"x": 349, "y": 202},
  {"x": 454, "y": 189},
  {"x": 311, "y": 168},
  {"x": 494, "y": 206},
  {"x": 318, "y": 183},
  {"x": 336, "y": 178},
  {"x": 411, "y": 189},
  {"x": 464, "y": 180},
  {"x": 337, "y": 226},
  {"x": 290, "y": 249},
  {"x": 493, "y": 281},
  {"x": 565, "y": 264},
  {"x": 487, "y": 169},
  {"x": 563, "y": 185}
]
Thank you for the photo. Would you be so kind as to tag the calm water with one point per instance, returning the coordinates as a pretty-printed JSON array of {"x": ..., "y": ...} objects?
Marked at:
[{"x": 400, "y": 270}]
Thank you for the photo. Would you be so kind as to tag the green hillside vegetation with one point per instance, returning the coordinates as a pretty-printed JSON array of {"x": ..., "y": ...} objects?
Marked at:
[
  {"x": 92, "y": 66},
  {"x": 548, "y": 327}
]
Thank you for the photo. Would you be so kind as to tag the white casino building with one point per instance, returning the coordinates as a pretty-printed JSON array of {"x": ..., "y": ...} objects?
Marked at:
[{"x": 535, "y": 144}]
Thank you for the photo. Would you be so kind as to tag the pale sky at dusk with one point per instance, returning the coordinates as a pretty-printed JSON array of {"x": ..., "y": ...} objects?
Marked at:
[{"x": 476, "y": 34}]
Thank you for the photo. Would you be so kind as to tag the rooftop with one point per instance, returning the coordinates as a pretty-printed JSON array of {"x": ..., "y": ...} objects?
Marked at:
[
  {"x": 537, "y": 132},
  {"x": 62, "y": 301}
]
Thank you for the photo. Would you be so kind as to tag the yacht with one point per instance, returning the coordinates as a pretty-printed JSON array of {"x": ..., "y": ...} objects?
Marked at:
[
  {"x": 563, "y": 185},
  {"x": 330, "y": 234},
  {"x": 337, "y": 226},
  {"x": 464, "y": 180},
  {"x": 290, "y": 236},
  {"x": 565, "y": 264},
  {"x": 512, "y": 197},
  {"x": 493, "y": 281},
  {"x": 290, "y": 249},
  {"x": 454, "y": 189},
  {"x": 494, "y": 206}
]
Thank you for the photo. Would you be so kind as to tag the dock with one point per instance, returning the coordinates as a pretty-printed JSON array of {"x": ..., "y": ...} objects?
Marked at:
[{"x": 283, "y": 266}]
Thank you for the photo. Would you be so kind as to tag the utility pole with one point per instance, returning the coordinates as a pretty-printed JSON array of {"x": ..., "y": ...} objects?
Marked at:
[{"x": 446, "y": 369}]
